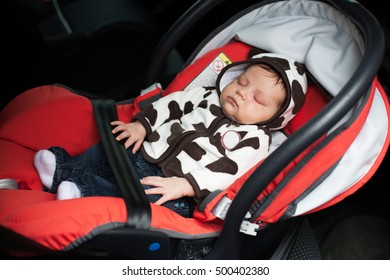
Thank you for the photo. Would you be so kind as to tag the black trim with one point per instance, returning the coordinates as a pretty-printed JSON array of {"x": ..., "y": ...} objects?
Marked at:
[{"x": 205, "y": 201}]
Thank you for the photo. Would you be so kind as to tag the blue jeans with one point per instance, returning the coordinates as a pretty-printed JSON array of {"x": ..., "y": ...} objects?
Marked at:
[{"x": 92, "y": 174}]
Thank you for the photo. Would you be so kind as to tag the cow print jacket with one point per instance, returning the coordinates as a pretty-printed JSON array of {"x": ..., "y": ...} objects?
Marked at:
[{"x": 189, "y": 136}]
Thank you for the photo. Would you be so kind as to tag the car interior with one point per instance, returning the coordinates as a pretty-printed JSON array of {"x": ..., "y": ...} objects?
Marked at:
[{"x": 89, "y": 45}]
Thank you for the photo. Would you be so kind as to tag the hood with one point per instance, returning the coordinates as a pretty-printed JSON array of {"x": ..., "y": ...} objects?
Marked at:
[{"x": 292, "y": 74}]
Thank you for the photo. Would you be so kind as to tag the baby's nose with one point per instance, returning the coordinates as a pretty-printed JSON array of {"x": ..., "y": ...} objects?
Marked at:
[{"x": 241, "y": 92}]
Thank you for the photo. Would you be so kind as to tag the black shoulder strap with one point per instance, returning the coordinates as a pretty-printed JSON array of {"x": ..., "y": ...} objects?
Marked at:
[{"x": 137, "y": 204}]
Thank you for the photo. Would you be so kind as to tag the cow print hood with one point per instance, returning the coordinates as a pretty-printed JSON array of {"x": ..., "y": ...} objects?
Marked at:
[{"x": 292, "y": 74}]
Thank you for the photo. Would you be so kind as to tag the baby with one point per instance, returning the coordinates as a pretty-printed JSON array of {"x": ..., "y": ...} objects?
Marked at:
[{"x": 188, "y": 144}]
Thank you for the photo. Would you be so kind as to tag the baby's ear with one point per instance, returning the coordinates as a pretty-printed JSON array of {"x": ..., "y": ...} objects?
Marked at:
[{"x": 255, "y": 51}]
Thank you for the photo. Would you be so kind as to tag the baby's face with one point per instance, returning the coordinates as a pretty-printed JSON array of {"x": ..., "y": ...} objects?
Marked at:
[{"x": 252, "y": 97}]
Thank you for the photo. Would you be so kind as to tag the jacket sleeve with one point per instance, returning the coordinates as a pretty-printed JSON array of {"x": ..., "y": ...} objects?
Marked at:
[
  {"x": 224, "y": 171},
  {"x": 169, "y": 107}
]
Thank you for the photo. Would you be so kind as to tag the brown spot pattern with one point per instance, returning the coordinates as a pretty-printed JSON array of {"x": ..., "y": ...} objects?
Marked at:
[
  {"x": 223, "y": 165},
  {"x": 176, "y": 131},
  {"x": 194, "y": 151}
]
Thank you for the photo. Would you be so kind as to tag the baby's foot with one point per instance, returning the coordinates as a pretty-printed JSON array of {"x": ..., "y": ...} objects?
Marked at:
[
  {"x": 68, "y": 190},
  {"x": 45, "y": 163}
]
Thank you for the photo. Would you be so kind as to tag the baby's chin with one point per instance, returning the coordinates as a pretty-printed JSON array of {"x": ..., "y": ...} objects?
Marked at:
[
  {"x": 227, "y": 112},
  {"x": 229, "y": 116}
]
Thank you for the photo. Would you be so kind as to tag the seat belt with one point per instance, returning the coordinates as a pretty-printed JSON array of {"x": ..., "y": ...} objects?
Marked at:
[{"x": 137, "y": 204}]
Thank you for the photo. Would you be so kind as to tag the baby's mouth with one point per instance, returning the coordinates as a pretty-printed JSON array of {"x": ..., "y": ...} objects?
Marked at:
[{"x": 233, "y": 101}]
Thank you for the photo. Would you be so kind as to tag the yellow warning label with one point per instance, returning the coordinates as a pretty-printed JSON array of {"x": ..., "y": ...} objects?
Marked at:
[
  {"x": 219, "y": 63},
  {"x": 224, "y": 58},
  {"x": 209, "y": 75}
]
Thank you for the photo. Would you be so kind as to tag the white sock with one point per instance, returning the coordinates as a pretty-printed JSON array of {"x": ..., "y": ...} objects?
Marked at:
[
  {"x": 45, "y": 163},
  {"x": 68, "y": 190}
]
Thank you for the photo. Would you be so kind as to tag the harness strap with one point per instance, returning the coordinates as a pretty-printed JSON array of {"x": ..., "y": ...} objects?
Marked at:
[{"x": 136, "y": 201}]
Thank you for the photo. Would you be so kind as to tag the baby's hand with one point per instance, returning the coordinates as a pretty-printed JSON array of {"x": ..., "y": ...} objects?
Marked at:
[
  {"x": 134, "y": 132},
  {"x": 170, "y": 188}
]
